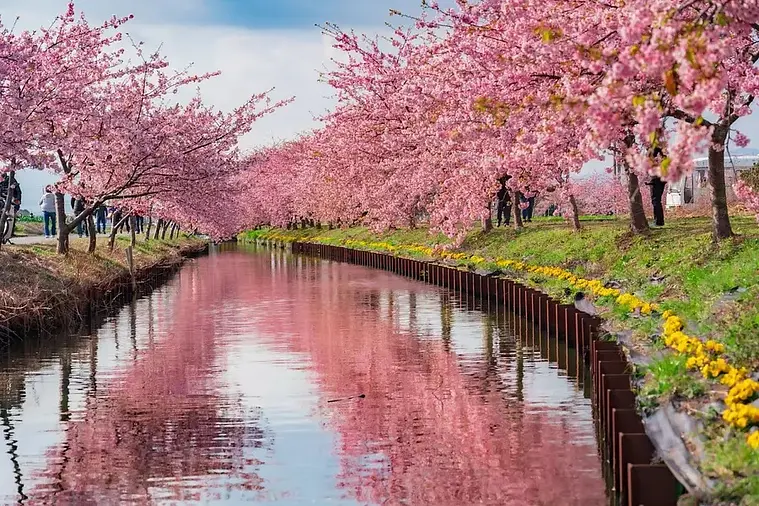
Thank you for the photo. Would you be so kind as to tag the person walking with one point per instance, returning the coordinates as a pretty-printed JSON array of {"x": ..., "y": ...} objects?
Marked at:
[
  {"x": 100, "y": 219},
  {"x": 47, "y": 204},
  {"x": 504, "y": 204}
]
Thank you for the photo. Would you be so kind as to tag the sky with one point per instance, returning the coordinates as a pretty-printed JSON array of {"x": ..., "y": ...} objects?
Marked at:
[{"x": 256, "y": 44}]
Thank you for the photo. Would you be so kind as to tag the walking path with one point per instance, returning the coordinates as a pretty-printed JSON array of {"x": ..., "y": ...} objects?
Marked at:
[
  {"x": 33, "y": 239},
  {"x": 40, "y": 239}
]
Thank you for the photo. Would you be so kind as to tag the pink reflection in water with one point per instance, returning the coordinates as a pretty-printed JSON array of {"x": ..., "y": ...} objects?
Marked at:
[
  {"x": 158, "y": 428},
  {"x": 428, "y": 432}
]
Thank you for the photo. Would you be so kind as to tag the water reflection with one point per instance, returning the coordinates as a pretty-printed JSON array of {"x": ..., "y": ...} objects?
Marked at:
[{"x": 217, "y": 388}]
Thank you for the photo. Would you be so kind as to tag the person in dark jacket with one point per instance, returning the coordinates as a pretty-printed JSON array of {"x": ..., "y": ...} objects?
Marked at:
[
  {"x": 116, "y": 216},
  {"x": 100, "y": 219},
  {"x": 657, "y": 191},
  {"x": 15, "y": 198},
  {"x": 77, "y": 205},
  {"x": 504, "y": 203},
  {"x": 527, "y": 211}
]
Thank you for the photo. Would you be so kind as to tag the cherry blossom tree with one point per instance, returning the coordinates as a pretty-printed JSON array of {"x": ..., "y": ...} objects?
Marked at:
[{"x": 44, "y": 76}]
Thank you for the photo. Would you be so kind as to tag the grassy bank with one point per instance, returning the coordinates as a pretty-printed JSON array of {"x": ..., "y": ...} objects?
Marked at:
[
  {"x": 40, "y": 290},
  {"x": 690, "y": 304},
  {"x": 27, "y": 227}
]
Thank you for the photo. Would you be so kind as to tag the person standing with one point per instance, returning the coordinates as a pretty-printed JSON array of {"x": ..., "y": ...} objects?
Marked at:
[
  {"x": 15, "y": 194},
  {"x": 78, "y": 207},
  {"x": 504, "y": 204},
  {"x": 657, "y": 189},
  {"x": 527, "y": 211},
  {"x": 657, "y": 193},
  {"x": 116, "y": 217},
  {"x": 47, "y": 203},
  {"x": 100, "y": 219}
]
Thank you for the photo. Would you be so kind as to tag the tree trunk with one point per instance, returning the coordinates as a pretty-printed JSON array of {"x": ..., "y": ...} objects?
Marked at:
[
  {"x": 93, "y": 234},
  {"x": 132, "y": 226},
  {"x": 7, "y": 204},
  {"x": 165, "y": 228},
  {"x": 721, "y": 228},
  {"x": 158, "y": 229},
  {"x": 516, "y": 199},
  {"x": 63, "y": 229},
  {"x": 150, "y": 226},
  {"x": 487, "y": 221},
  {"x": 638, "y": 220},
  {"x": 114, "y": 229},
  {"x": 171, "y": 234},
  {"x": 575, "y": 218}
]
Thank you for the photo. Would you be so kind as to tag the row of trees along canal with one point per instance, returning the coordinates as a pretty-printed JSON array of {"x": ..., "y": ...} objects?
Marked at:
[
  {"x": 427, "y": 120},
  {"x": 88, "y": 103},
  {"x": 430, "y": 116}
]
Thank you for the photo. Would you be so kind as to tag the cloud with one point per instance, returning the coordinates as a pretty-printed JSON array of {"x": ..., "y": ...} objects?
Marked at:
[{"x": 251, "y": 60}]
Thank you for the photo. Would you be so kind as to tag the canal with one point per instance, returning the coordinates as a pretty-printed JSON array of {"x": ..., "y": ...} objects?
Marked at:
[{"x": 256, "y": 375}]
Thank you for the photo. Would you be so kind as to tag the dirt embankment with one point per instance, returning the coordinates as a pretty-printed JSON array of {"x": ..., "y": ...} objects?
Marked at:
[{"x": 41, "y": 291}]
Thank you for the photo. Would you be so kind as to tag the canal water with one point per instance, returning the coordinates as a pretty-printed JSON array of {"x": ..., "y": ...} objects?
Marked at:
[{"x": 258, "y": 376}]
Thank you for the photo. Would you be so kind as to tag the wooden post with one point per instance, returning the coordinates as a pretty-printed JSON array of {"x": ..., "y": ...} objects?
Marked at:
[{"x": 130, "y": 264}]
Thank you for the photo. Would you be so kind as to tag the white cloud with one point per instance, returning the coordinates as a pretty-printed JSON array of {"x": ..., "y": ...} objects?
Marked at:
[{"x": 251, "y": 61}]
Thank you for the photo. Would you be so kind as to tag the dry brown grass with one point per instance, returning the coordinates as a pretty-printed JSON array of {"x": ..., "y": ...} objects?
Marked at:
[{"x": 42, "y": 290}]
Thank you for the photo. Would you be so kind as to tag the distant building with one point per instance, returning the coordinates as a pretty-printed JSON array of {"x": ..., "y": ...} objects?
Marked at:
[{"x": 693, "y": 188}]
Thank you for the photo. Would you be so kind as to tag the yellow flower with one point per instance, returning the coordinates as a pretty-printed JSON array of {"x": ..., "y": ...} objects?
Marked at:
[
  {"x": 714, "y": 346},
  {"x": 733, "y": 376},
  {"x": 673, "y": 324},
  {"x": 741, "y": 415},
  {"x": 715, "y": 368},
  {"x": 753, "y": 440},
  {"x": 697, "y": 362},
  {"x": 741, "y": 391}
]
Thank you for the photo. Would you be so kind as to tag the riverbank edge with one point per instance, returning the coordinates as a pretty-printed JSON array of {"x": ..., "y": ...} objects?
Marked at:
[
  {"x": 666, "y": 425},
  {"x": 86, "y": 297}
]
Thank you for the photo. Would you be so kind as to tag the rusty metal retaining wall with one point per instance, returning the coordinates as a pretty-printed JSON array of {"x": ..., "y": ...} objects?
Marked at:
[{"x": 626, "y": 449}]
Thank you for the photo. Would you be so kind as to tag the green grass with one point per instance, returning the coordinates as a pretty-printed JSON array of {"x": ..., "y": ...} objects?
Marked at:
[
  {"x": 677, "y": 266},
  {"x": 736, "y": 467},
  {"x": 668, "y": 377},
  {"x": 29, "y": 219}
]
